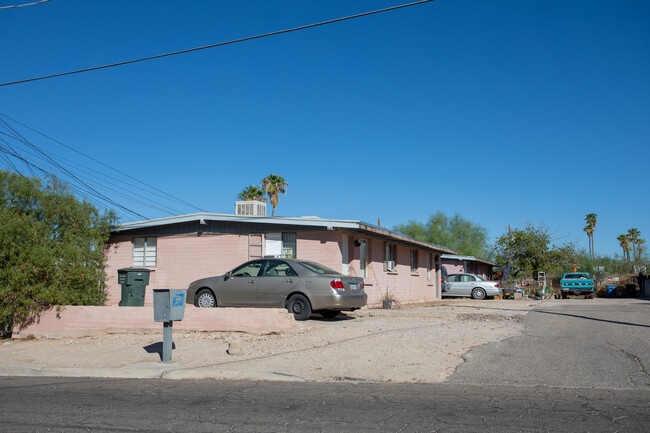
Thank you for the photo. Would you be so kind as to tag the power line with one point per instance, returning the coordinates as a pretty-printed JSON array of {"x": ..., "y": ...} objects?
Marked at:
[
  {"x": 24, "y": 4},
  {"x": 178, "y": 200},
  {"x": 249, "y": 38}
]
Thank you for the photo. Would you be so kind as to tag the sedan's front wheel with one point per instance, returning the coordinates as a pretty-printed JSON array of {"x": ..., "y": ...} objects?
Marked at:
[
  {"x": 299, "y": 306},
  {"x": 478, "y": 293},
  {"x": 205, "y": 299}
]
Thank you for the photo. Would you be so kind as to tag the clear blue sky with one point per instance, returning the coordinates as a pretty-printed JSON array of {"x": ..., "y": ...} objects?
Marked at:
[{"x": 505, "y": 111}]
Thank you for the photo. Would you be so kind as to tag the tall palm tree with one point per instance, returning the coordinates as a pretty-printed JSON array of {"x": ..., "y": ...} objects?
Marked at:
[
  {"x": 251, "y": 192},
  {"x": 639, "y": 246},
  {"x": 590, "y": 232},
  {"x": 624, "y": 242},
  {"x": 633, "y": 234},
  {"x": 592, "y": 220},
  {"x": 274, "y": 185}
]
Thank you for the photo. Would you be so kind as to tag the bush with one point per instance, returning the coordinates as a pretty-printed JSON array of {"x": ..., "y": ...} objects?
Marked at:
[{"x": 51, "y": 249}]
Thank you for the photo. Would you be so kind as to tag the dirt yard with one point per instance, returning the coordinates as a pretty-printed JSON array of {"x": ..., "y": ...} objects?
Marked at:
[{"x": 410, "y": 344}]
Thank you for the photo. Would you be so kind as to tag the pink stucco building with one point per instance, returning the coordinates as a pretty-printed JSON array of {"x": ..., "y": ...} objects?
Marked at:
[
  {"x": 455, "y": 264},
  {"x": 181, "y": 249}
]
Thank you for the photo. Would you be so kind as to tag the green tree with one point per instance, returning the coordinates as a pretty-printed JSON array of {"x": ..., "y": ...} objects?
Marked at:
[
  {"x": 51, "y": 248},
  {"x": 457, "y": 233},
  {"x": 251, "y": 192},
  {"x": 274, "y": 185},
  {"x": 639, "y": 246},
  {"x": 530, "y": 249},
  {"x": 624, "y": 242},
  {"x": 634, "y": 234},
  {"x": 592, "y": 220}
]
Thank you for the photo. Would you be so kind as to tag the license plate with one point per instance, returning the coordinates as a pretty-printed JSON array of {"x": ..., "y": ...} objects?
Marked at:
[{"x": 354, "y": 286}]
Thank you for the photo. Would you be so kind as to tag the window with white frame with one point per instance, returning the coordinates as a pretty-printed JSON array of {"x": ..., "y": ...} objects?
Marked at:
[
  {"x": 144, "y": 251},
  {"x": 280, "y": 245},
  {"x": 414, "y": 261},
  {"x": 390, "y": 257}
]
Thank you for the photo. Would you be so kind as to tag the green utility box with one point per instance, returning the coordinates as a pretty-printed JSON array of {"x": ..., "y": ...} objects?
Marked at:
[{"x": 134, "y": 282}]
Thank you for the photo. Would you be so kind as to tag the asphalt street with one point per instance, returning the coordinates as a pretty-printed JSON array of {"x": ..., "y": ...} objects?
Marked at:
[
  {"x": 576, "y": 343},
  {"x": 149, "y": 405}
]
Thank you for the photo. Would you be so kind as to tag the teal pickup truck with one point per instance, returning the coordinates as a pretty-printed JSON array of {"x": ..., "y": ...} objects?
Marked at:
[{"x": 577, "y": 283}]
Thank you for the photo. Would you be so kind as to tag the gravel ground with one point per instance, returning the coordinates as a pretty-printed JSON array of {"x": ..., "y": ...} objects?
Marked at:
[{"x": 409, "y": 344}]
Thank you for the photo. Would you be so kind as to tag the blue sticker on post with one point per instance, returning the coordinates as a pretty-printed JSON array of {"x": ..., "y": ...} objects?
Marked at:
[{"x": 178, "y": 300}]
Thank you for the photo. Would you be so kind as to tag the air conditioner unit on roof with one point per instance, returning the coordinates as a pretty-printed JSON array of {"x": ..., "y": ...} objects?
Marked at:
[{"x": 250, "y": 208}]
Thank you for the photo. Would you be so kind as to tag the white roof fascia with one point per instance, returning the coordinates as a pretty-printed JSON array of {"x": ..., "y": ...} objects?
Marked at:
[
  {"x": 329, "y": 224},
  {"x": 313, "y": 222},
  {"x": 468, "y": 258}
]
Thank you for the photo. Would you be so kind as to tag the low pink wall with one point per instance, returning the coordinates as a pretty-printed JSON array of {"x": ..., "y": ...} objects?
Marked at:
[{"x": 72, "y": 318}]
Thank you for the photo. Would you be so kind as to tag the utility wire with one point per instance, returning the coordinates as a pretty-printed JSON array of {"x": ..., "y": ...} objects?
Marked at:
[
  {"x": 110, "y": 187},
  {"x": 24, "y": 4},
  {"x": 249, "y": 38},
  {"x": 103, "y": 164},
  {"x": 67, "y": 172}
]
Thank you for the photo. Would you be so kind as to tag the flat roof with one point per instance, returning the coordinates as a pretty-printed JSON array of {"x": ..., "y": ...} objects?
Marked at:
[{"x": 328, "y": 224}]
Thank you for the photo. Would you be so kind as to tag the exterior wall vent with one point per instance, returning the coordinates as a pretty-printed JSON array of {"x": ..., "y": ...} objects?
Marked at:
[{"x": 250, "y": 208}]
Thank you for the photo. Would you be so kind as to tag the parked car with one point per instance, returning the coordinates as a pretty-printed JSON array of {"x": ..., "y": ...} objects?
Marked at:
[
  {"x": 470, "y": 285},
  {"x": 577, "y": 283},
  {"x": 300, "y": 286}
]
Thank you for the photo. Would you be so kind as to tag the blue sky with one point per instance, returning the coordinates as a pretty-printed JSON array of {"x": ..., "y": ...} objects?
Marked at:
[{"x": 506, "y": 112}]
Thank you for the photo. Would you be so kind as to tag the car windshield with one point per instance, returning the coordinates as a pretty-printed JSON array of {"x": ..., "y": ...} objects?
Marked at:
[
  {"x": 319, "y": 269},
  {"x": 574, "y": 276}
]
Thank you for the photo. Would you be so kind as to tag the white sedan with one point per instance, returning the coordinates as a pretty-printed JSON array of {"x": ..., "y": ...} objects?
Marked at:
[{"x": 470, "y": 285}]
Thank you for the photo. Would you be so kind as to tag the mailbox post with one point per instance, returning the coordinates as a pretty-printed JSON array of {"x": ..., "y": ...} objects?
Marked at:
[{"x": 168, "y": 306}]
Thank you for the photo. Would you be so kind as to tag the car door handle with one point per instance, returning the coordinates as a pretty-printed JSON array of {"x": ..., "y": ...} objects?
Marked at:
[
  {"x": 290, "y": 281},
  {"x": 251, "y": 282}
]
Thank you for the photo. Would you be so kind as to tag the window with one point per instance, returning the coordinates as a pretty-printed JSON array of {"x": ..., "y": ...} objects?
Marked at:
[
  {"x": 280, "y": 245},
  {"x": 414, "y": 261},
  {"x": 390, "y": 257},
  {"x": 250, "y": 269},
  {"x": 276, "y": 268},
  {"x": 289, "y": 245},
  {"x": 429, "y": 266},
  {"x": 144, "y": 252},
  {"x": 466, "y": 278},
  {"x": 317, "y": 268}
]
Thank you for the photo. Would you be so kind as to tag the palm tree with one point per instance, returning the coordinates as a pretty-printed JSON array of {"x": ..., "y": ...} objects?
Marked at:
[
  {"x": 633, "y": 234},
  {"x": 592, "y": 220},
  {"x": 624, "y": 242},
  {"x": 590, "y": 232},
  {"x": 274, "y": 185},
  {"x": 639, "y": 246},
  {"x": 252, "y": 192}
]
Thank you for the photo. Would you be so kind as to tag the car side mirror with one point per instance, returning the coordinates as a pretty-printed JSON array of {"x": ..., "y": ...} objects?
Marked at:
[{"x": 227, "y": 275}]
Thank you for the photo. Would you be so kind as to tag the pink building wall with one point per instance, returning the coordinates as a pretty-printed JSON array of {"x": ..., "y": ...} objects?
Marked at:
[{"x": 184, "y": 258}]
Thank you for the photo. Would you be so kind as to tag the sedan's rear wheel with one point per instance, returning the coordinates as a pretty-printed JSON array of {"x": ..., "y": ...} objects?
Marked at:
[
  {"x": 478, "y": 293},
  {"x": 299, "y": 306},
  {"x": 205, "y": 299}
]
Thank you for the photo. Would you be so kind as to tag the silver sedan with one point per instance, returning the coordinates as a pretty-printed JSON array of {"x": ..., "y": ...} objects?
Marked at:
[
  {"x": 300, "y": 286},
  {"x": 470, "y": 285}
]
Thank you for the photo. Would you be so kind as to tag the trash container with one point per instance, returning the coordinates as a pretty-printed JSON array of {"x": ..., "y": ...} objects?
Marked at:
[
  {"x": 134, "y": 282},
  {"x": 611, "y": 290}
]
